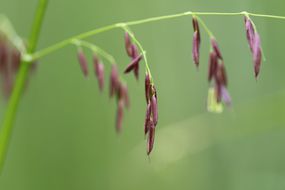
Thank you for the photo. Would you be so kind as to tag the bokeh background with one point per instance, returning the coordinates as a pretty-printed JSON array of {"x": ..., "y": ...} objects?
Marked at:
[{"x": 64, "y": 136}]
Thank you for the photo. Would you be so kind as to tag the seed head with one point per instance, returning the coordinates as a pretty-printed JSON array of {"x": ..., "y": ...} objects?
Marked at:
[
  {"x": 154, "y": 110},
  {"x": 128, "y": 44},
  {"x": 147, "y": 87},
  {"x": 147, "y": 119},
  {"x": 99, "y": 71},
  {"x": 216, "y": 48},
  {"x": 196, "y": 49},
  {"x": 254, "y": 44},
  {"x": 134, "y": 64},
  {"x": 196, "y": 41},
  {"x": 114, "y": 80},
  {"x": 257, "y": 55},
  {"x": 151, "y": 117},
  {"x": 196, "y": 27},
  {"x": 213, "y": 63},
  {"x": 250, "y": 33},
  {"x": 133, "y": 53},
  {"x": 221, "y": 76},
  {"x": 82, "y": 61},
  {"x": 150, "y": 141}
]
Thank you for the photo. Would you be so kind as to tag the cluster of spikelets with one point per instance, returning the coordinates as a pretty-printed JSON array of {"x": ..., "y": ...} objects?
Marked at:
[
  {"x": 118, "y": 88},
  {"x": 12, "y": 50},
  {"x": 216, "y": 69}
]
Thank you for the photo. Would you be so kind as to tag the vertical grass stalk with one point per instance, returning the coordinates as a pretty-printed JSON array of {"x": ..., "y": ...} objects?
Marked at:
[{"x": 13, "y": 103}]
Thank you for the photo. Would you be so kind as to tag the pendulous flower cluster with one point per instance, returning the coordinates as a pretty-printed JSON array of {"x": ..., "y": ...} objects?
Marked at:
[
  {"x": 151, "y": 117},
  {"x": 217, "y": 76},
  {"x": 216, "y": 70},
  {"x": 117, "y": 87},
  {"x": 13, "y": 51}
]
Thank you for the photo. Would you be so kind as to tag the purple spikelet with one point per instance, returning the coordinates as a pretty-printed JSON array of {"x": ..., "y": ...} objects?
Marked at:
[
  {"x": 250, "y": 33},
  {"x": 99, "y": 71},
  {"x": 133, "y": 53},
  {"x": 217, "y": 73},
  {"x": 213, "y": 63},
  {"x": 216, "y": 48},
  {"x": 150, "y": 140},
  {"x": 128, "y": 44},
  {"x": 154, "y": 110},
  {"x": 147, "y": 87},
  {"x": 82, "y": 61},
  {"x": 151, "y": 117},
  {"x": 254, "y": 43},
  {"x": 114, "y": 80},
  {"x": 257, "y": 55},
  {"x": 147, "y": 119},
  {"x": 134, "y": 65},
  {"x": 196, "y": 42}
]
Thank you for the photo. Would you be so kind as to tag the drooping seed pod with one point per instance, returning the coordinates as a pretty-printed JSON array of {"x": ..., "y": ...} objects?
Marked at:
[
  {"x": 221, "y": 76},
  {"x": 196, "y": 27},
  {"x": 257, "y": 54},
  {"x": 150, "y": 141},
  {"x": 213, "y": 63},
  {"x": 147, "y": 119},
  {"x": 135, "y": 51},
  {"x": 114, "y": 80},
  {"x": 218, "y": 91},
  {"x": 128, "y": 44},
  {"x": 99, "y": 71},
  {"x": 220, "y": 81},
  {"x": 216, "y": 48},
  {"x": 196, "y": 48},
  {"x": 137, "y": 70},
  {"x": 120, "y": 115},
  {"x": 134, "y": 64},
  {"x": 196, "y": 41},
  {"x": 154, "y": 110},
  {"x": 153, "y": 91},
  {"x": 147, "y": 87},
  {"x": 250, "y": 33},
  {"x": 101, "y": 76},
  {"x": 253, "y": 39},
  {"x": 82, "y": 61}
]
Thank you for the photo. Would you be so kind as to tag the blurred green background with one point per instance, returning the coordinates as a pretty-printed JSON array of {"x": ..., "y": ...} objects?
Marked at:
[{"x": 64, "y": 136}]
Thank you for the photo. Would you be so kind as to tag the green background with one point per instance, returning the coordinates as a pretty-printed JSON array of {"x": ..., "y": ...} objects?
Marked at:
[{"x": 64, "y": 136}]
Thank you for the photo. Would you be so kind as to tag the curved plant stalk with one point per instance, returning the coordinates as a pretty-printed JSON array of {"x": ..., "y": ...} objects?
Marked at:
[
  {"x": 44, "y": 52},
  {"x": 7, "y": 126},
  {"x": 31, "y": 55}
]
